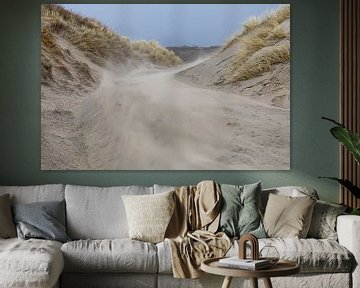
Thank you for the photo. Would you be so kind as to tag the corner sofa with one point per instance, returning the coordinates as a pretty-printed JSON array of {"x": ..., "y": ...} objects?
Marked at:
[{"x": 101, "y": 254}]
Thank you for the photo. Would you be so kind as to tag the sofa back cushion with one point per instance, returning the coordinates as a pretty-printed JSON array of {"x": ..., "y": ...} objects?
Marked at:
[
  {"x": 7, "y": 226},
  {"x": 163, "y": 188},
  {"x": 36, "y": 193},
  {"x": 98, "y": 213}
]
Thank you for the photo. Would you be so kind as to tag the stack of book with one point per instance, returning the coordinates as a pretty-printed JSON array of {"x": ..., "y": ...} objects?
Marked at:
[{"x": 248, "y": 264}]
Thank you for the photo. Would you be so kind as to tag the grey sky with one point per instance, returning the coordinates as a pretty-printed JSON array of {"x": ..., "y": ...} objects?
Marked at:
[{"x": 174, "y": 24}]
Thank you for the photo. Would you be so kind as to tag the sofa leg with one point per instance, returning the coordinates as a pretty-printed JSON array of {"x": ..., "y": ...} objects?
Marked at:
[
  {"x": 267, "y": 283},
  {"x": 254, "y": 282},
  {"x": 227, "y": 282}
]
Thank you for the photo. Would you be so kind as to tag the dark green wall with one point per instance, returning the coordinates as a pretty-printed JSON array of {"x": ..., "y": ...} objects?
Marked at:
[{"x": 314, "y": 93}]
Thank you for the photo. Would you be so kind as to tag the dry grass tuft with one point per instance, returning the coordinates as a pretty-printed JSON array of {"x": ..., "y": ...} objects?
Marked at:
[
  {"x": 49, "y": 47},
  {"x": 281, "y": 14},
  {"x": 254, "y": 43},
  {"x": 156, "y": 53},
  {"x": 48, "y": 43},
  {"x": 258, "y": 34},
  {"x": 261, "y": 63},
  {"x": 251, "y": 24},
  {"x": 269, "y": 21},
  {"x": 46, "y": 69},
  {"x": 279, "y": 33}
]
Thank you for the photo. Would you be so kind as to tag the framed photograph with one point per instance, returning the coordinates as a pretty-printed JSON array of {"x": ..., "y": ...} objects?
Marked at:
[{"x": 165, "y": 87}]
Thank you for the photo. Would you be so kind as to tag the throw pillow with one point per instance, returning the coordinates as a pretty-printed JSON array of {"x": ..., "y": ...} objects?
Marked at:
[
  {"x": 288, "y": 217},
  {"x": 240, "y": 213},
  {"x": 43, "y": 220},
  {"x": 291, "y": 191},
  {"x": 7, "y": 227},
  {"x": 323, "y": 222},
  {"x": 149, "y": 215}
]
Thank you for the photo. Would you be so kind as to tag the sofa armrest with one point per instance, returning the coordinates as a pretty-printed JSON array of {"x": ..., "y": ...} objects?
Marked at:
[{"x": 348, "y": 230}]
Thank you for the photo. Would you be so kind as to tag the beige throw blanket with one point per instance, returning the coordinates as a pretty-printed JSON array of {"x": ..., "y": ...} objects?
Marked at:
[{"x": 192, "y": 227}]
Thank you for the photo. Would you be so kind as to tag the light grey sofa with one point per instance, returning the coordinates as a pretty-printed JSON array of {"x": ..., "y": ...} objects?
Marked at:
[{"x": 101, "y": 255}]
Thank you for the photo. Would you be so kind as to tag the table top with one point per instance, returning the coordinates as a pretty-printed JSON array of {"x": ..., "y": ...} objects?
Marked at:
[{"x": 281, "y": 268}]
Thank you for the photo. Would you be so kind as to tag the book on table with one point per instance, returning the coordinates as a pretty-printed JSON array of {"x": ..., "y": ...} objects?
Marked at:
[{"x": 236, "y": 262}]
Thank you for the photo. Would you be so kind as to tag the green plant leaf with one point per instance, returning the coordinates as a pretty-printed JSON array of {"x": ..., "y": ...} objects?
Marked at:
[
  {"x": 347, "y": 184},
  {"x": 349, "y": 139},
  {"x": 333, "y": 121},
  {"x": 355, "y": 211}
]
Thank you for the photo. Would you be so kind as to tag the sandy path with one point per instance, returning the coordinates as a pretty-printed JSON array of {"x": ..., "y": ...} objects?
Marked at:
[{"x": 150, "y": 120}]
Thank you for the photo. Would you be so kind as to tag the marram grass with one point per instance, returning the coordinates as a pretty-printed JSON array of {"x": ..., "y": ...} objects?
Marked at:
[{"x": 258, "y": 34}]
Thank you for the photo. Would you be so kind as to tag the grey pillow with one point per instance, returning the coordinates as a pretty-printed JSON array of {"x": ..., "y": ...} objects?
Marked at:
[
  {"x": 44, "y": 220},
  {"x": 240, "y": 213},
  {"x": 323, "y": 222},
  {"x": 7, "y": 227}
]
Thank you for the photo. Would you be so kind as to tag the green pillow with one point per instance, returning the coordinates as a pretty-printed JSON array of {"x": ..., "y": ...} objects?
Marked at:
[{"x": 240, "y": 212}]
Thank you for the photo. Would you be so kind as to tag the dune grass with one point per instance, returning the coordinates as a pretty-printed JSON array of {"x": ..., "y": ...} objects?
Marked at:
[
  {"x": 261, "y": 63},
  {"x": 258, "y": 34},
  {"x": 278, "y": 33},
  {"x": 281, "y": 14},
  {"x": 49, "y": 47},
  {"x": 156, "y": 53},
  {"x": 251, "y": 24},
  {"x": 269, "y": 21},
  {"x": 97, "y": 41}
]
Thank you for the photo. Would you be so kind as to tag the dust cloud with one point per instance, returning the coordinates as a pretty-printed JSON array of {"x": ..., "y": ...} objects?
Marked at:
[{"x": 149, "y": 119}]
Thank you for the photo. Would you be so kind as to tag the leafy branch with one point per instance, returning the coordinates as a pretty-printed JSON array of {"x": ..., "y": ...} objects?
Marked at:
[{"x": 351, "y": 141}]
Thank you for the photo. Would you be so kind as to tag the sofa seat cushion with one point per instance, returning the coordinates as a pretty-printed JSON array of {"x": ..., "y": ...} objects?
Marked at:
[
  {"x": 313, "y": 255},
  {"x": 115, "y": 255},
  {"x": 30, "y": 263}
]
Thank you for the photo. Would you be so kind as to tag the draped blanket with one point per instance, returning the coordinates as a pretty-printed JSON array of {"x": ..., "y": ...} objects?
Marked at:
[{"x": 191, "y": 231}]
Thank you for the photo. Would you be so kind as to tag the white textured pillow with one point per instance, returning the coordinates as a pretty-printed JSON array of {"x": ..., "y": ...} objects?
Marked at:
[
  {"x": 149, "y": 215},
  {"x": 323, "y": 222}
]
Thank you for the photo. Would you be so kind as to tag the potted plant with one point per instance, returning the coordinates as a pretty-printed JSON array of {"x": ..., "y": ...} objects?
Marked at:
[{"x": 351, "y": 141}]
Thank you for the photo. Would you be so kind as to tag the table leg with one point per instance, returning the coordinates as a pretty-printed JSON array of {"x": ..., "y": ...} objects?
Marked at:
[
  {"x": 227, "y": 282},
  {"x": 267, "y": 283},
  {"x": 254, "y": 282}
]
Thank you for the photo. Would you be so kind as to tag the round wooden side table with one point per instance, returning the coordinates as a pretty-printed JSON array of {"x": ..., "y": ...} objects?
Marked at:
[{"x": 281, "y": 268}]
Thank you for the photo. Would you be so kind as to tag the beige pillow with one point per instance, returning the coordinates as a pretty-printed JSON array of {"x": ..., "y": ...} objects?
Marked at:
[
  {"x": 7, "y": 226},
  {"x": 288, "y": 217},
  {"x": 149, "y": 215}
]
